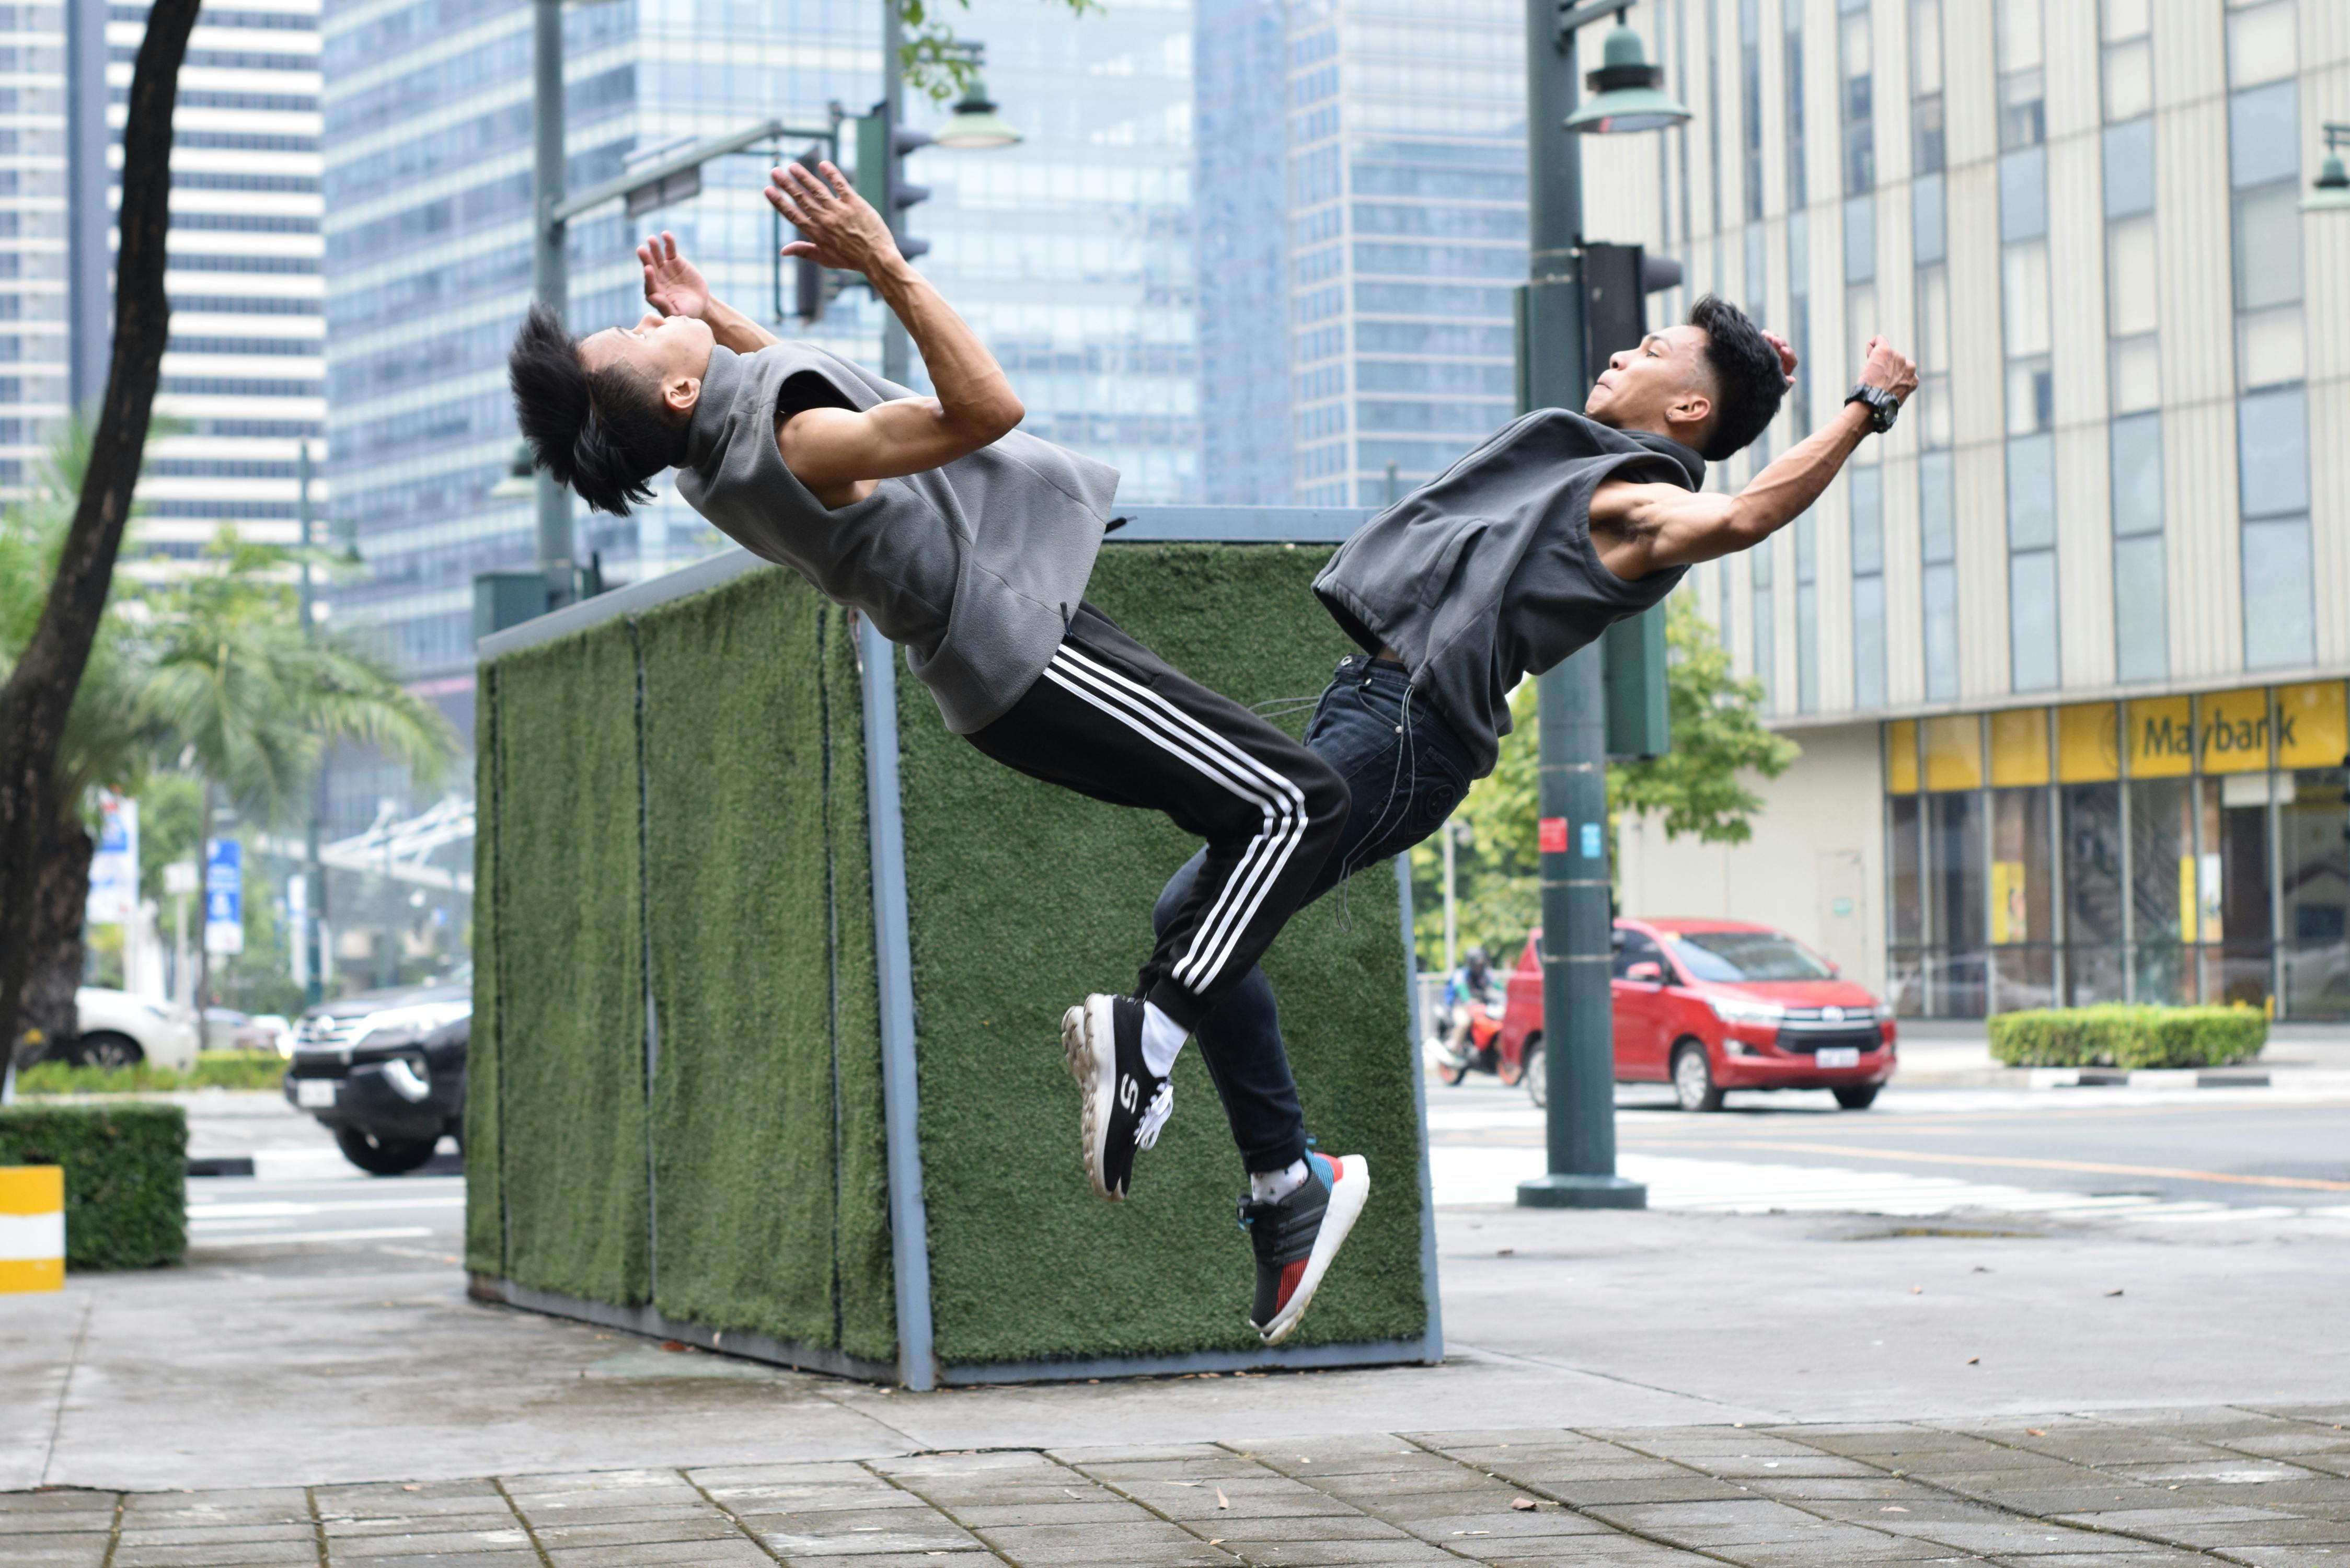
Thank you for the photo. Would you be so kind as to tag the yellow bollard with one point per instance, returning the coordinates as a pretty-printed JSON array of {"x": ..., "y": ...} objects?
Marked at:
[{"x": 32, "y": 1228}]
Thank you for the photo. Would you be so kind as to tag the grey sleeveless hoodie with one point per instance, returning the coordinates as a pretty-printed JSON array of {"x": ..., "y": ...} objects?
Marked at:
[
  {"x": 1487, "y": 573},
  {"x": 975, "y": 568}
]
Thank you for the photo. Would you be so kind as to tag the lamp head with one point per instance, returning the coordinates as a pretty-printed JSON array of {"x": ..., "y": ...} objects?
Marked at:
[
  {"x": 975, "y": 123},
  {"x": 1628, "y": 93},
  {"x": 2333, "y": 192}
]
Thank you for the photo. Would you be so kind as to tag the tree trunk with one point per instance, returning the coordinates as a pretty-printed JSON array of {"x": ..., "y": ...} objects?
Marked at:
[
  {"x": 61, "y": 897},
  {"x": 39, "y": 693}
]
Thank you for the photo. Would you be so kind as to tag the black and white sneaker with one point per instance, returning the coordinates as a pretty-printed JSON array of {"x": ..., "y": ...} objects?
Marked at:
[
  {"x": 1298, "y": 1237},
  {"x": 1124, "y": 1104}
]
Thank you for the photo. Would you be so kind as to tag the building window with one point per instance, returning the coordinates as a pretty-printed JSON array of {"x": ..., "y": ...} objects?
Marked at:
[
  {"x": 1938, "y": 552},
  {"x": 1855, "y": 54},
  {"x": 2141, "y": 576},
  {"x": 1926, "y": 86},
  {"x": 1865, "y": 490},
  {"x": 2032, "y": 629},
  {"x": 2132, "y": 303},
  {"x": 1758, "y": 275},
  {"x": 1790, "y": 88},
  {"x": 1750, "y": 91},
  {"x": 1807, "y": 617},
  {"x": 2021, "y": 79},
  {"x": 1765, "y": 638},
  {"x": 1797, "y": 403},
  {"x": 2264, "y": 167},
  {"x": 2272, "y": 476},
  {"x": 2023, "y": 288},
  {"x": 1860, "y": 318}
]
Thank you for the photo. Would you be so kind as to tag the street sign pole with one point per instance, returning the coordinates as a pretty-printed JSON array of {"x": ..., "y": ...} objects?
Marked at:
[{"x": 1579, "y": 1031}]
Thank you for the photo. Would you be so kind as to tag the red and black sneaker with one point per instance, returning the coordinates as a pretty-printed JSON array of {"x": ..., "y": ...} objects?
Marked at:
[
  {"x": 1297, "y": 1237},
  {"x": 1123, "y": 1104}
]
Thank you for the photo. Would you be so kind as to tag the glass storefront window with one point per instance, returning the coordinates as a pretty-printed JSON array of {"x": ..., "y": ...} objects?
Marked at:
[
  {"x": 1955, "y": 904},
  {"x": 2313, "y": 884},
  {"x": 2022, "y": 894},
  {"x": 2163, "y": 885},
  {"x": 2093, "y": 932},
  {"x": 1906, "y": 896}
]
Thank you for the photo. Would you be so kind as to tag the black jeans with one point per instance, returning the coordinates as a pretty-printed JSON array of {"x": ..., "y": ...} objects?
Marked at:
[{"x": 1404, "y": 770}]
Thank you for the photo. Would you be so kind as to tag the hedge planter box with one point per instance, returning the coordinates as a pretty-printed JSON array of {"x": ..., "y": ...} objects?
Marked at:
[
  {"x": 126, "y": 1177},
  {"x": 769, "y": 973},
  {"x": 2128, "y": 1037}
]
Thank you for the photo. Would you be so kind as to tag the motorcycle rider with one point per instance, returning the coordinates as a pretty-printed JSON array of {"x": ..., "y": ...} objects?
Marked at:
[{"x": 1470, "y": 994}]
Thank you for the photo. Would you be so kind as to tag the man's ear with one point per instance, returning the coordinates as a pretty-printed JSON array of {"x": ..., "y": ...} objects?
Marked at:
[
  {"x": 681, "y": 395},
  {"x": 1688, "y": 412}
]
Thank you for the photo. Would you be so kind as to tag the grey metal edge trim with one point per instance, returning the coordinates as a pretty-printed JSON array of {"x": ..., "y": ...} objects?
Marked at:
[
  {"x": 1370, "y": 1353},
  {"x": 646, "y": 1321},
  {"x": 705, "y": 574},
  {"x": 1432, "y": 1337},
  {"x": 1142, "y": 526},
  {"x": 1236, "y": 525},
  {"x": 910, "y": 1232}
]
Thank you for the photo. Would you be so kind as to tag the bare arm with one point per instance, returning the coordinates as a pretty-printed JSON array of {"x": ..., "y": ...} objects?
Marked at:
[
  {"x": 838, "y": 452},
  {"x": 1643, "y": 529}
]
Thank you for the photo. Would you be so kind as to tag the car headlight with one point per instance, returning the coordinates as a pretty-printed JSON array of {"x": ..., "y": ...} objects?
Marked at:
[{"x": 1745, "y": 1009}]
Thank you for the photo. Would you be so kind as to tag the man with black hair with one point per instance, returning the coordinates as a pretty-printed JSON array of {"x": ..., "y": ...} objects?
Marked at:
[
  {"x": 1524, "y": 552},
  {"x": 970, "y": 544}
]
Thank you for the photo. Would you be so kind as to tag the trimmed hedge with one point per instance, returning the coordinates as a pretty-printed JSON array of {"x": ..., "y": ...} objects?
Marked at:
[
  {"x": 2117, "y": 1035},
  {"x": 1022, "y": 899},
  {"x": 126, "y": 1177},
  {"x": 213, "y": 1070}
]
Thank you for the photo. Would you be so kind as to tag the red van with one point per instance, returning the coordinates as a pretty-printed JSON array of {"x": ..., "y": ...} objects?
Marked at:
[{"x": 1713, "y": 1005}]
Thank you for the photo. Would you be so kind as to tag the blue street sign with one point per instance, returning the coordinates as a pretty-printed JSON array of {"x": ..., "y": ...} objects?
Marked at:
[
  {"x": 224, "y": 896},
  {"x": 1591, "y": 841}
]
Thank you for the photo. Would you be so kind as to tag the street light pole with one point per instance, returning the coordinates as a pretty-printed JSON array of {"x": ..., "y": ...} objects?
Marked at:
[
  {"x": 897, "y": 348},
  {"x": 314, "y": 912},
  {"x": 1578, "y": 1029},
  {"x": 550, "y": 277}
]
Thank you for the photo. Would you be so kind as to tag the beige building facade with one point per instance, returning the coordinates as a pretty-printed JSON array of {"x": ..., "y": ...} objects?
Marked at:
[{"x": 2066, "y": 650}]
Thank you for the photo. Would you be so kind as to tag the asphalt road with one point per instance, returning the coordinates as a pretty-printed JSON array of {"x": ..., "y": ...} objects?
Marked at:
[{"x": 2228, "y": 1148}]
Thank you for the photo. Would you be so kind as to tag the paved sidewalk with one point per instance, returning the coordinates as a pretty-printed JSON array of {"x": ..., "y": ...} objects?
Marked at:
[{"x": 2264, "y": 1486}]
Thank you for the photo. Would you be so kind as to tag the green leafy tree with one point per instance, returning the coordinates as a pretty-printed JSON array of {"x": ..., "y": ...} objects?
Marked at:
[
  {"x": 928, "y": 54},
  {"x": 248, "y": 700},
  {"x": 1697, "y": 788}
]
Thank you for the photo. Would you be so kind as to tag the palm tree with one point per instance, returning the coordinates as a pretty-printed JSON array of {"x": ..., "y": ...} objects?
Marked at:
[{"x": 243, "y": 696}]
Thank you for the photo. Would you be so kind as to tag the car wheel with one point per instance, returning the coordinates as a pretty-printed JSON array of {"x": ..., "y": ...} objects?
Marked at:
[
  {"x": 1859, "y": 1099},
  {"x": 107, "y": 1048},
  {"x": 383, "y": 1156},
  {"x": 1535, "y": 1072},
  {"x": 1693, "y": 1084}
]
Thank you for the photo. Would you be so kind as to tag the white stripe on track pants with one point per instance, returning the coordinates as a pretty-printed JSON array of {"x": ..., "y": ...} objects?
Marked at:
[{"x": 1111, "y": 720}]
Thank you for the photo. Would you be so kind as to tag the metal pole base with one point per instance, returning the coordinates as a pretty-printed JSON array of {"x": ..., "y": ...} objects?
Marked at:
[{"x": 1558, "y": 1190}]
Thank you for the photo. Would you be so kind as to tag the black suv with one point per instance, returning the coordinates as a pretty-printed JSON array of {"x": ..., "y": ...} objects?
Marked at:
[{"x": 385, "y": 1072}]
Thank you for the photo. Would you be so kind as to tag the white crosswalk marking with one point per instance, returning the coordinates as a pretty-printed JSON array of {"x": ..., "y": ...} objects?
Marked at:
[{"x": 1485, "y": 1174}]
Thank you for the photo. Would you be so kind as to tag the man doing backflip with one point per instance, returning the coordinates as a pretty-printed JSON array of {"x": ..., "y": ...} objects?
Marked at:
[
  {"x": 1559, "y": 525},
  {"x": 970, "y": 544}
]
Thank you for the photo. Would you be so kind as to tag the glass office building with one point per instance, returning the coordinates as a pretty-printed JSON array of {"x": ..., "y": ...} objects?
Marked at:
[
  {"x": 2066, "y": 649},
  {"x": 1070, "y": 254},
  {"x": 1402, "y": 147}
]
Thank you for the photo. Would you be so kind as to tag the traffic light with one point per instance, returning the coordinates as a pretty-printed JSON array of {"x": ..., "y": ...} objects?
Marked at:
[{"x": 882, "y": 149}]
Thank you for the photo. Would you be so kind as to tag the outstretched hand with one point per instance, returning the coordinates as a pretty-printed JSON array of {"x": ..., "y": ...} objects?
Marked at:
[
  {"x": 838, "y": 228},
  {"x": 673, "y": 286},
  {"x": 1786, "y": 354}
]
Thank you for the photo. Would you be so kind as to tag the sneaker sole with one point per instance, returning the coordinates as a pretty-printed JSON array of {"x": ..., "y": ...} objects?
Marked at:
[
  {"x": 1347, "y": 1201},
  {"x": 1095, "y": 1073}
]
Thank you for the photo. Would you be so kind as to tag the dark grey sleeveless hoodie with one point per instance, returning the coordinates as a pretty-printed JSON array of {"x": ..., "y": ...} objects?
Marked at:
[
  {"x": 974, "y": 568},
  {"x": 1488, "y": 573}
]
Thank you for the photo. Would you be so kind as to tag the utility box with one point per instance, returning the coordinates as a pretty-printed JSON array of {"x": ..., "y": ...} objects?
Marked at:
[
  {"x": 769, "y": 973},
  {"x": 502, "y": 600}
]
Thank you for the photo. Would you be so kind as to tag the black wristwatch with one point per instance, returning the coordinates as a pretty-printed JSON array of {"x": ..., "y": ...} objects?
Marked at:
[{"x": 1884, "y": 408}]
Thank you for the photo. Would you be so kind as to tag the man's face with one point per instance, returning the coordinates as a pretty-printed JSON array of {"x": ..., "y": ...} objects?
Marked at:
[
  {"x": 670, "y": 352},
  {"x": 1663, "y": 386}
]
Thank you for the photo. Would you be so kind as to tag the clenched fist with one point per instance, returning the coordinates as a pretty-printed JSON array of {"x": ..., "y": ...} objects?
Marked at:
[{"x": 1890, "y": 369}]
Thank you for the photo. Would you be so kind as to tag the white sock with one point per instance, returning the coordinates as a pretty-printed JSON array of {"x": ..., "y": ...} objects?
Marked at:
[
  {"x": 1272, "y": 1186},
  {"x": 1162, "y": 1037}
]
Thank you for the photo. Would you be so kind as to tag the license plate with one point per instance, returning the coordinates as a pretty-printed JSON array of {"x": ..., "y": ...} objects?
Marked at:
[
  {"x": 318, "y": 1093},
  {"x": 1840, "y": 1056}
]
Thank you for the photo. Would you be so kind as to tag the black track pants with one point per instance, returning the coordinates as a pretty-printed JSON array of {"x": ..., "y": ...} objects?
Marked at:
[{"x": 1111, "y": 718}]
